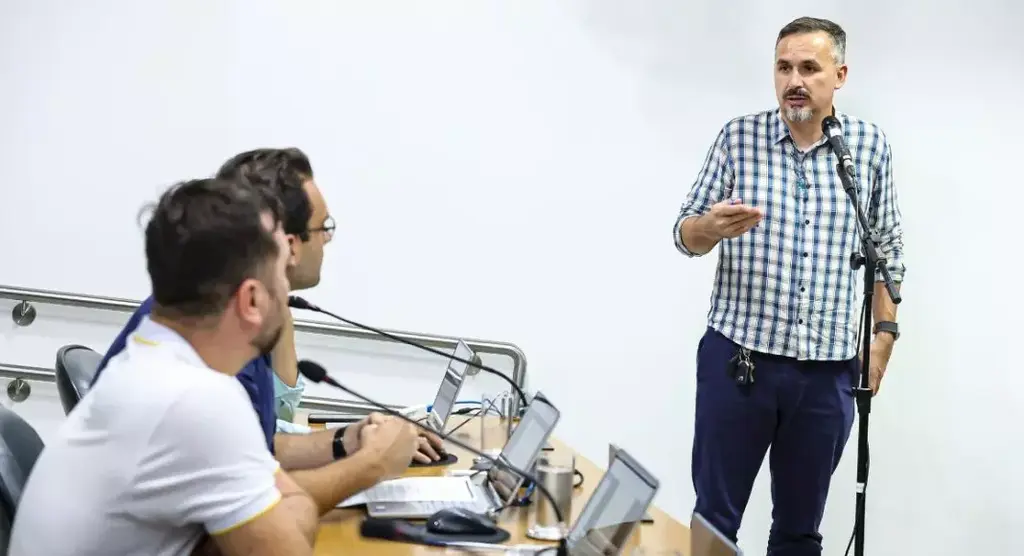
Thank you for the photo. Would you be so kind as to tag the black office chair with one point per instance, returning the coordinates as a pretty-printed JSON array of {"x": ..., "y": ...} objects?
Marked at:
[
  {"x": 76, "y": 367},
  {"x": 20, "y": 446}
]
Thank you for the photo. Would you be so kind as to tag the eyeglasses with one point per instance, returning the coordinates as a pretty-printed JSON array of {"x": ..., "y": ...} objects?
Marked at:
[{"x": 327, "y": 228}]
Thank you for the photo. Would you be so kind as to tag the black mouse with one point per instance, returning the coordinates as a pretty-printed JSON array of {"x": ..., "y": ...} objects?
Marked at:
[{"x": 460, "y": 521}]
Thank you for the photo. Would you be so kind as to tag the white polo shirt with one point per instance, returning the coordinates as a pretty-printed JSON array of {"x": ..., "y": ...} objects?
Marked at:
[{"x": 161, "y": 450}]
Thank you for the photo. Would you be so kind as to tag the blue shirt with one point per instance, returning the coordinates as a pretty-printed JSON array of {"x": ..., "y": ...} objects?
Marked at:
[
  {"x": 786, "y": 286},
  {"x": 257, "y": 377}
]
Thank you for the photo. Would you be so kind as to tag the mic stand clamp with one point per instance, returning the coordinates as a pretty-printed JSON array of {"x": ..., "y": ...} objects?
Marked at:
[{"x": 872, "y": 262}]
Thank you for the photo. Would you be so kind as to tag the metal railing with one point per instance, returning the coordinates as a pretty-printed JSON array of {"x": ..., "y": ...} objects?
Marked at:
[
  {"x": 351, "y": 407},
  {"x": 24, "y": 314}
]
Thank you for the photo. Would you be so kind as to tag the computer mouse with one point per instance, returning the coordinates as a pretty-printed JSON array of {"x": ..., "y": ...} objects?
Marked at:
[{"x": 460, "y": 521}]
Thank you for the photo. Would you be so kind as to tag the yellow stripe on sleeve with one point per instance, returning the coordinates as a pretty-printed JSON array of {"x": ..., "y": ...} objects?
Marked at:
[{"x": 277, "y": 500}]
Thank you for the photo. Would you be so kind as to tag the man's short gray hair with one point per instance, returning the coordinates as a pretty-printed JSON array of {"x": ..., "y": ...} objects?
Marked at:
[{"x": 803, "y": 25}]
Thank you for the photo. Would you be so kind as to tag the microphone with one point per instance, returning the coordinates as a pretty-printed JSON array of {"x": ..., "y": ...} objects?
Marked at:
[
  {"x": 297, "y": 302},
  {"x": 833, "y": 130},
  {"x": 314, "y": 372}
]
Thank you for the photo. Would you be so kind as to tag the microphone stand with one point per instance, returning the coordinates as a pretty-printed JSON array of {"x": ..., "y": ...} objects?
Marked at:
[
  {"x": 300, "y": 303},
  {"x": 872, "y": 261},
  {"x": 322, "y": 376}
]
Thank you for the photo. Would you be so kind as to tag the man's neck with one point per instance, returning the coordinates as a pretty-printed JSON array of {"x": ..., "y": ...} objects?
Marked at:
[
  {"x": 209, "y": 343},
  {"x": 806, "y": 134}
]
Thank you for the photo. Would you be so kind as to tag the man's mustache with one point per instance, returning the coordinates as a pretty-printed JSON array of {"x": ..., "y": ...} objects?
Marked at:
[{"x": 797, "y": 93}]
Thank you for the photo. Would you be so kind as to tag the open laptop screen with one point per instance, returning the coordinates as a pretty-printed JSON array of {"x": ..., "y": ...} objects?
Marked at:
[
  {"x": 618, "y": 503},
  {"x": 451, "y": 385},
  {"x": 525, "y": 444}
]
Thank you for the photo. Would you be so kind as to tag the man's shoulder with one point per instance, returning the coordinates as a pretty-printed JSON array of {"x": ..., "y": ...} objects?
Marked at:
[
  {"x": 143, "y": 310},
  {"x": 753, "y": 119},
  {"x": 860, "y": 129},
  {"x": 747, "y": 128},
  {"x": 257, "y": 370}
]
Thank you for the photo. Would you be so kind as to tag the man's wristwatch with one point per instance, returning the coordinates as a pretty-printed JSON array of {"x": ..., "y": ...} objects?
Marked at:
[
  {"x": 887, "y": 326},
  {"x": 338, "y": 445}
]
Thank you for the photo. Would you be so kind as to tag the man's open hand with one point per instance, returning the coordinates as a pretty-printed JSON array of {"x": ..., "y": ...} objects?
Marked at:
[{"x": 731, "y": 218}]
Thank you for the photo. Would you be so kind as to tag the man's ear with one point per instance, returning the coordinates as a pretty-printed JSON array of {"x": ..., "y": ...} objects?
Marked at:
[
  {"x": 841, "y": 75},
  {"x": 294, "y": 257},
  {"x": 248, "y": 302}
]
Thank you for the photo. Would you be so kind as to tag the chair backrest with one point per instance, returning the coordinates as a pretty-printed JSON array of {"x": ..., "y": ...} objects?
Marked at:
[
  {"x": 20, "y": 446},
  {"x": 76, "y": 366}
]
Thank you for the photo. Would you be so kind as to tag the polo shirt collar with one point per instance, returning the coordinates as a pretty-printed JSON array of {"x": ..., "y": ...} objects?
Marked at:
[{"x": 150, "y": 334}]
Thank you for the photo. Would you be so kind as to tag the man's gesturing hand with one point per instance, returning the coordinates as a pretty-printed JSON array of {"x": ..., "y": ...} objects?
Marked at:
[{"x": 731, "y": 218}]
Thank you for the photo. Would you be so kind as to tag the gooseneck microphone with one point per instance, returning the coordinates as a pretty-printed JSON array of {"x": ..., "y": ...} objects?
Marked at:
[
  {"x": 297, "y": 302},
  {"x": 316, "y": 373},
  {"x": 833, "y": 131}
]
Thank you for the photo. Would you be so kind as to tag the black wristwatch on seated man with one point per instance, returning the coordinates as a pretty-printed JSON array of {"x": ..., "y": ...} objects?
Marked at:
[
  {"x": 887, "y": 326},
  {"x": 338, "y": 445}
]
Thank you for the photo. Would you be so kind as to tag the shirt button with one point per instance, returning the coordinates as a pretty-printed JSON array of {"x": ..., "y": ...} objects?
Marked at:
[
  {"x": 801, "y": 321},
  {"x": 805, "y": 253},
  {"x": 803, "y": 288},
  {"x": 807, "y": 222}
]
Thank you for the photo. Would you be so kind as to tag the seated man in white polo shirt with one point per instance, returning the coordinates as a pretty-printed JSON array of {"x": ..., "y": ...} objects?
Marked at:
[{"x": 163, "y": 456}]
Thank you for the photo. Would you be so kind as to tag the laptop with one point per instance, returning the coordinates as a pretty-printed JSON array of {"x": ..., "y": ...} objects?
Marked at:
[
  {"x": 613, "y": 511},
  {"x": 420, "y": 497},
  {"x": 451, "y": 384},
  {"x": 612, "y": 449},
  {"x": 707, "y": 540}
]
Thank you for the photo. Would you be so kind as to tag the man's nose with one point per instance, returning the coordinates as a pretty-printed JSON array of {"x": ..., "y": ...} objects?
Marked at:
[{"x": 796, "y": 83}]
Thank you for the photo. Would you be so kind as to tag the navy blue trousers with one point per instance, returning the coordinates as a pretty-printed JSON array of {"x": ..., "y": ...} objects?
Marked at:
[{"x": 802, "y": 410}]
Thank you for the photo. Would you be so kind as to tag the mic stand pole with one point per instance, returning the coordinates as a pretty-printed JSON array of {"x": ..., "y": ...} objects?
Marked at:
[{"x": 872, "y": 261}]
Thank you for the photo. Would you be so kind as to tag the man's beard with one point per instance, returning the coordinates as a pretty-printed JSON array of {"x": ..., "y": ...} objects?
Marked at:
[
  {"x": 267, "y": 340},
  {"x": 799, "y": 115}
]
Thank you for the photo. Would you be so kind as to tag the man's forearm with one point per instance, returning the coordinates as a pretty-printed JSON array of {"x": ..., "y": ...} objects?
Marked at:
[
  {"x": 883, "y": 309},
  {"x": 305, "y": 509},
  {"x": 331, "y": 484},
  {"x": 283, "y": 357},
  {"x": 695, "y": 236},
  {"x": 304, "y": 451}
]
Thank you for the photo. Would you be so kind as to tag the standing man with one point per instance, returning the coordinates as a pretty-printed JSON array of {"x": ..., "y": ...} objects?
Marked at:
[{"x": 785, "y": 299}]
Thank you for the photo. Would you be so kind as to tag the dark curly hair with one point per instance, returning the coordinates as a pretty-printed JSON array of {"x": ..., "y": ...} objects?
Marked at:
[
  {"x": 282, "y": 170},
  {"x": 203, "y": 239}
]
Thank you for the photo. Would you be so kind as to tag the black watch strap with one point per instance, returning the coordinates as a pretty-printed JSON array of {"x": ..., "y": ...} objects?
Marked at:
[
  {"x": 888, "y": 326},
  {"x": 338, "y": 446}
]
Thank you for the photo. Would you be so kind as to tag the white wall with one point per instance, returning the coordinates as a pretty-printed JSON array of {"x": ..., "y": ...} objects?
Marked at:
[{"x": 548, "y": 145}]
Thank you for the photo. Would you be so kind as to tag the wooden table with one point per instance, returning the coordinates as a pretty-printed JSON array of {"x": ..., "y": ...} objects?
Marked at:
[{"x": 339, "y": 530}]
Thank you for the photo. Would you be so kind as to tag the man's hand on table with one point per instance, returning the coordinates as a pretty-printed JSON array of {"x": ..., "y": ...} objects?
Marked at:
[{"x": 428, "y": 445}]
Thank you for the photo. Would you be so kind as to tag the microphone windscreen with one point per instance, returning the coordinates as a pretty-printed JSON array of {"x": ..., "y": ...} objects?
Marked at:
[
  {"x": 297, "y": 302},
  {"x": 312, "y": 371},
  {"x": 829, "y": 123}
]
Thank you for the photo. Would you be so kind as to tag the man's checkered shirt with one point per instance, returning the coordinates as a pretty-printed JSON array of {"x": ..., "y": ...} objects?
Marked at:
[{"x": 786, "y": 287}]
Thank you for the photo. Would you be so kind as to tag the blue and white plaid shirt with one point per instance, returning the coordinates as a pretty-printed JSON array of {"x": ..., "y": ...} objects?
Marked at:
[{"x": 786, "y": 287}]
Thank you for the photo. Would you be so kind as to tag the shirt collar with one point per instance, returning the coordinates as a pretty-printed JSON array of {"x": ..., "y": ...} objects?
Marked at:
[
  {"x": 780, "y": 130},
  {"x": 149, "y": 335}
]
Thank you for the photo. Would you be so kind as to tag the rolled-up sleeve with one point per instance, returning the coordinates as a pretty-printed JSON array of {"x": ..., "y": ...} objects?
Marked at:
[
  {"x": 713, "y": 183},
  {"x": 887, "y": 221}
]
